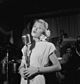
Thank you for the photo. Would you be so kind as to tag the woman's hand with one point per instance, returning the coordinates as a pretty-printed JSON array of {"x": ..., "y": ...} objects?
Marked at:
[
  {"x": 21, "y": 71},
  {"x": 30, "y": 71}
]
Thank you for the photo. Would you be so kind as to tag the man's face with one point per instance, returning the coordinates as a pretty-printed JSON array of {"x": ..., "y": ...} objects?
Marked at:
[{"x": 78, "y": 38}]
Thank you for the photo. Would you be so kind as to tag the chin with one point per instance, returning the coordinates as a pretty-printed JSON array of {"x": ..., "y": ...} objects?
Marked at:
[{"x": 34, "y": 35}]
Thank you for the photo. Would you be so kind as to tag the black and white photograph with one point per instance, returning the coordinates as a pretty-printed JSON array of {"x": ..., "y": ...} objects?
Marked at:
[{"x": 39, "y": 42}]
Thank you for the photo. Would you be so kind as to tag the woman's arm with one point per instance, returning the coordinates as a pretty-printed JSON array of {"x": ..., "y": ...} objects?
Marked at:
[
  {"x": 23, "y": 64},
  {"x": 24, "y": 53},
  {"x": 54, "y": 67},
  {"x": 39, "y": 70}
]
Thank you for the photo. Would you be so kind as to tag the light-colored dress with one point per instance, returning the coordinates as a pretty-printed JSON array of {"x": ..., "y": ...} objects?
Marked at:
[{"x": 39, "y": 58}]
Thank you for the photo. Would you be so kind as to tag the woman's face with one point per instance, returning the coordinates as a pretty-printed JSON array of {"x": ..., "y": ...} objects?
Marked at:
[{"x": 37, "y": 30}]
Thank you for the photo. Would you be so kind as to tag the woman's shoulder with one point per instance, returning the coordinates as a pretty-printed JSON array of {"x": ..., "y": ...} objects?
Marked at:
[{"x": 49, "y": 43}]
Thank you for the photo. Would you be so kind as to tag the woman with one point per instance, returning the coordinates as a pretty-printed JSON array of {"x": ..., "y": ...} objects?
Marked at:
[{"x": 40, "y": 55}]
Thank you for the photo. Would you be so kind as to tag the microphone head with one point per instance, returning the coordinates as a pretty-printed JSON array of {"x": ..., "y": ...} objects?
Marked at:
[{"x": 26, "y": 39}]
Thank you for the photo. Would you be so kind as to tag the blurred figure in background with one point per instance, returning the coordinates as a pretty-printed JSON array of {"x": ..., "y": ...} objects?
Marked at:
[{"x": 77, "y": 59}]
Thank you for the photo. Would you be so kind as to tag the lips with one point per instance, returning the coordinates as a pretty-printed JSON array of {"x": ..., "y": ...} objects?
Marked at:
[{"x": 34, "y": 31}]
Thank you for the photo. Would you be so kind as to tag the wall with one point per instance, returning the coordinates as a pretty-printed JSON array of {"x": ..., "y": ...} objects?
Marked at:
[{"x": 70, "y": 24}]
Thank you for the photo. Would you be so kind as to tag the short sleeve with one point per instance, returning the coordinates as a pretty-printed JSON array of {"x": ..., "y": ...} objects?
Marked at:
[{"x": 52, "y": 48}]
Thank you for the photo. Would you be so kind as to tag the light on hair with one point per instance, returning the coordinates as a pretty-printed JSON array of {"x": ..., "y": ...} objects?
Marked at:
[
  {"x": 44, "y": 23},
  {"x": 47, "y": 32}
]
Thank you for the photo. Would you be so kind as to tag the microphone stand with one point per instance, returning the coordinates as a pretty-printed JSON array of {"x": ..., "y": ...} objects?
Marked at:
[
  {"x": 27, "y": 42},
  {"x": 28, "y": 60},
  {"x": 7, "y": 67},
  {"x": 6, "y": 61}
]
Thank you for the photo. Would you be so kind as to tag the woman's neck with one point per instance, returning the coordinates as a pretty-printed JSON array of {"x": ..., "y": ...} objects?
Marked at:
[{"x": 36, "y": 39}]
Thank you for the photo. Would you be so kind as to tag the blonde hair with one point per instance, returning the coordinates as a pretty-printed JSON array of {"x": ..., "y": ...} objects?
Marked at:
[{"x": 47, "y": 31}]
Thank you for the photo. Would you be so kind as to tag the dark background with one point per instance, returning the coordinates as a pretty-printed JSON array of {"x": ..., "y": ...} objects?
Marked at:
[{"x": 15, "y": 15}]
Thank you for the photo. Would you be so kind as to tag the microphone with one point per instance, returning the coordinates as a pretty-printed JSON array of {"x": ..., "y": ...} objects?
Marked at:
[
  {"x": 26, "y": 39},
  {"x": 29, "y": 39}
]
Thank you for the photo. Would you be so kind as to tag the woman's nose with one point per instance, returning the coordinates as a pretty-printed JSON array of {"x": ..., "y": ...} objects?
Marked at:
[{"x": 35, "y": 29}]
